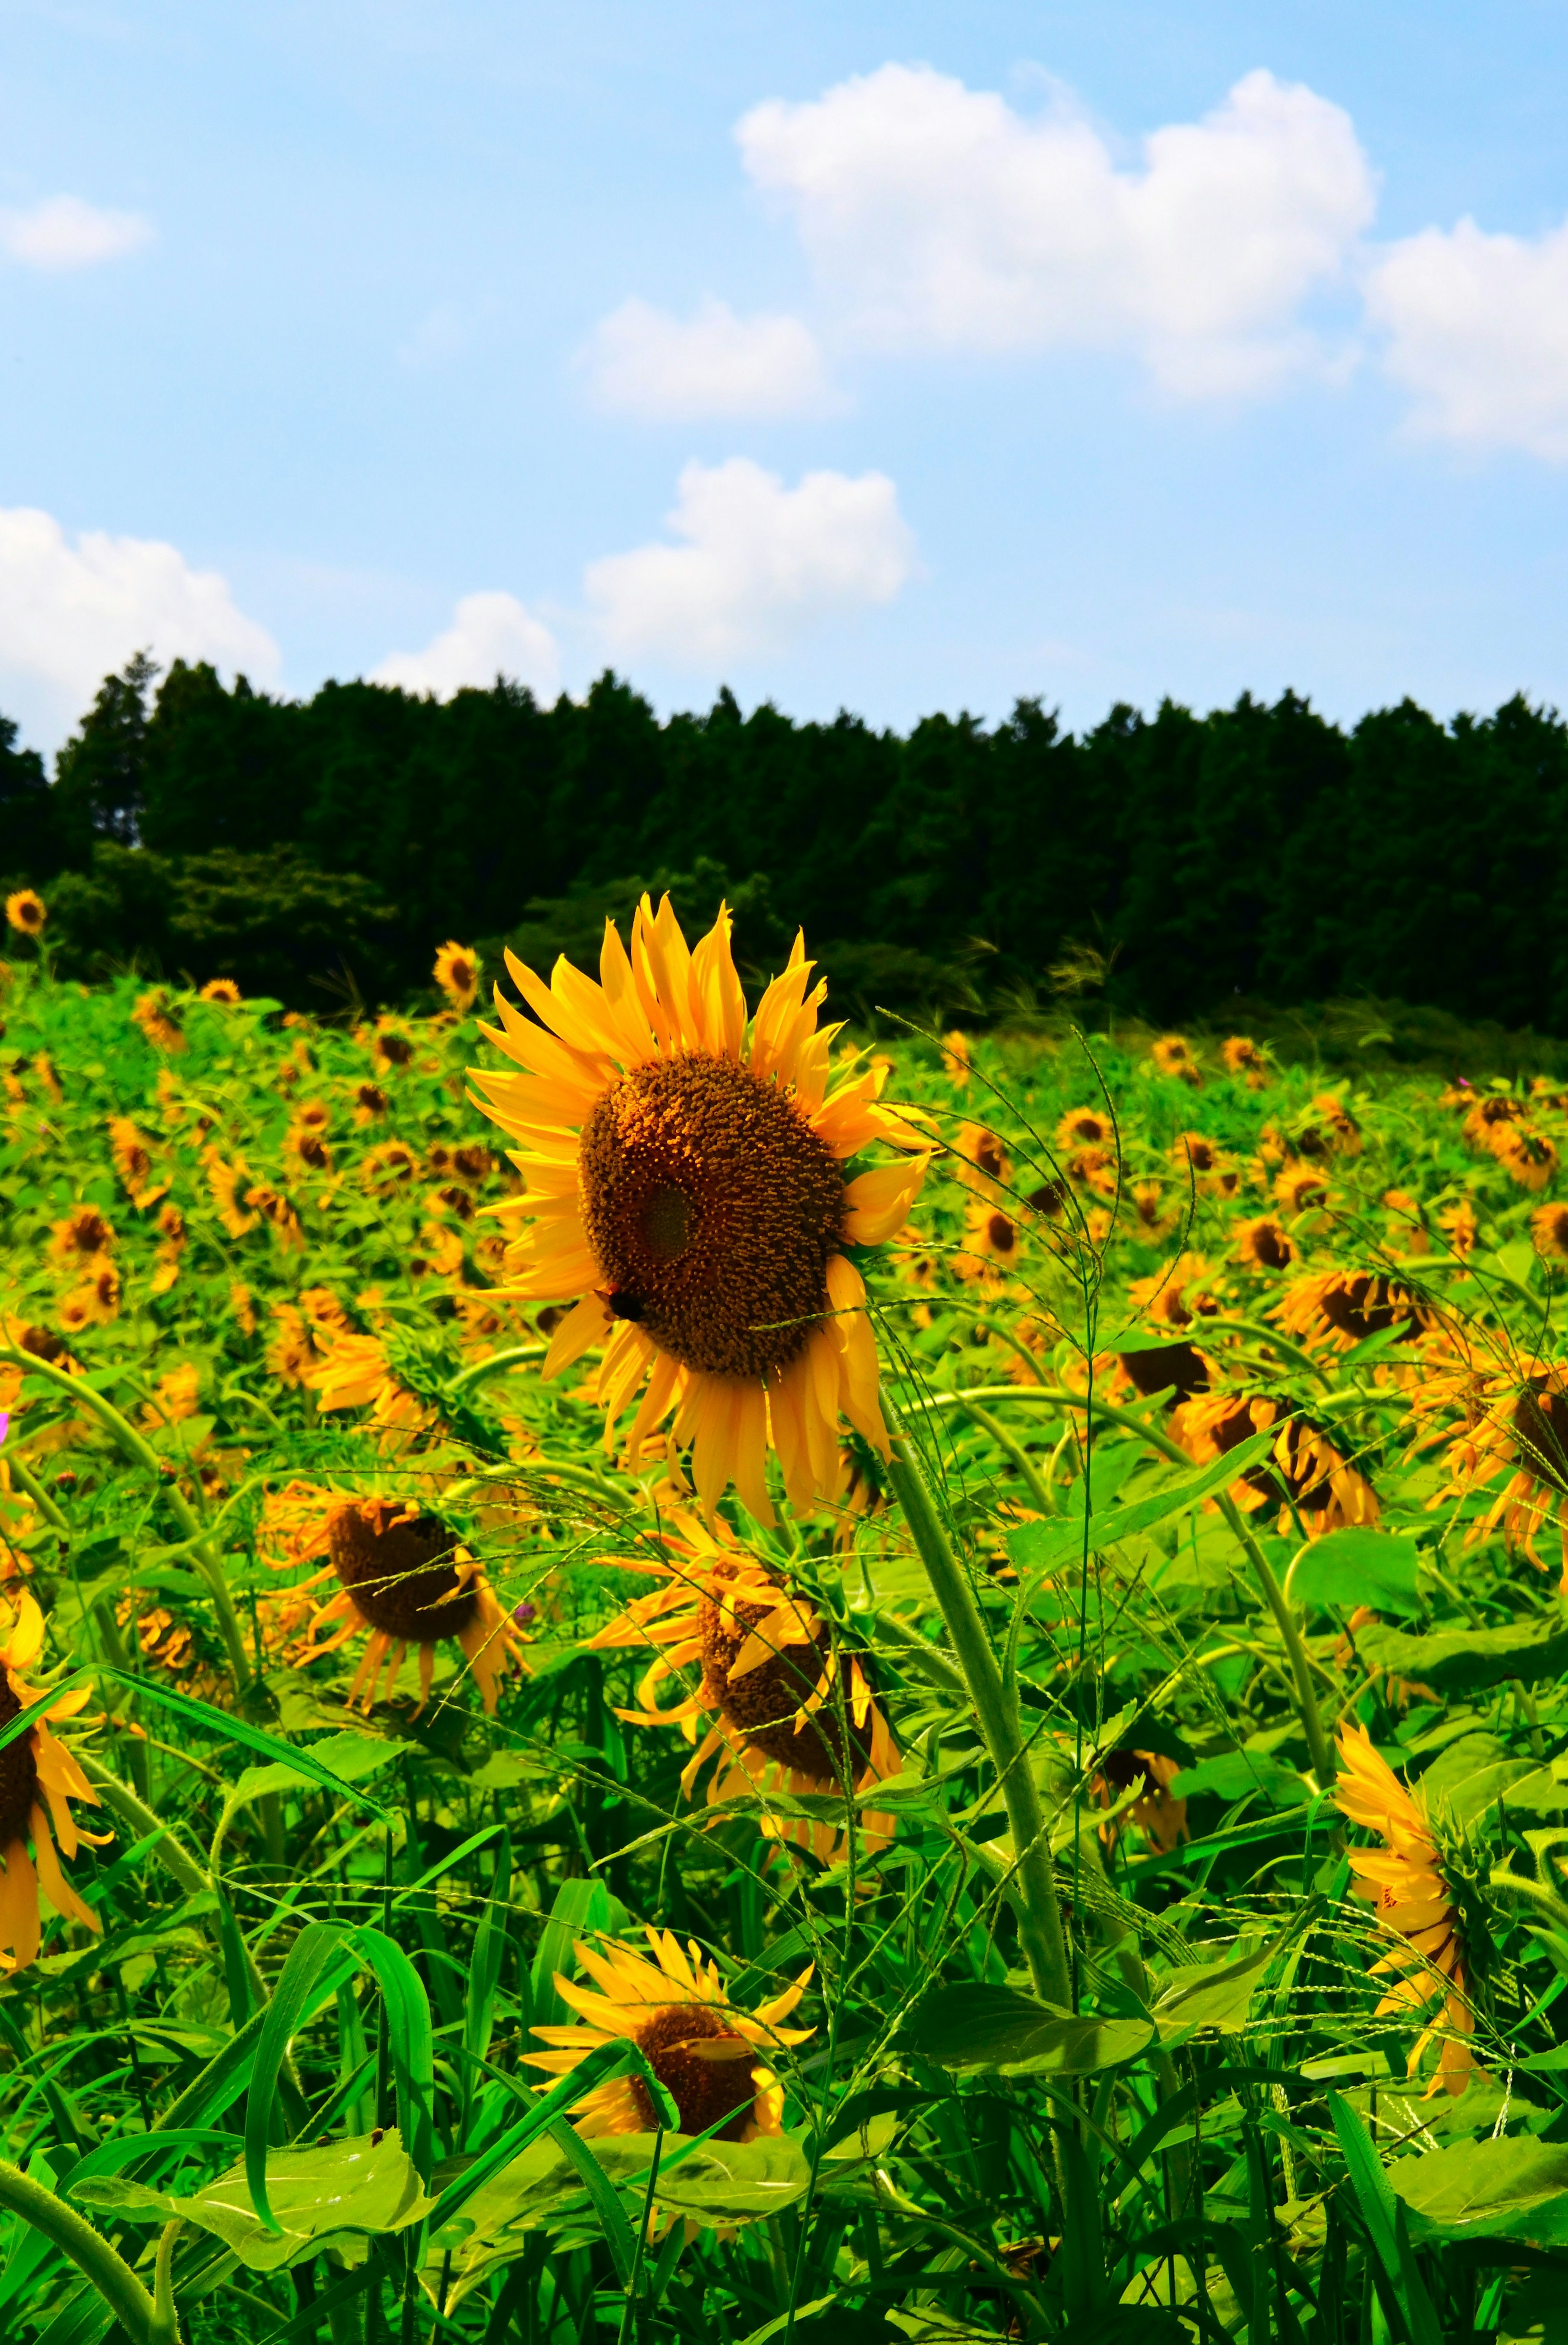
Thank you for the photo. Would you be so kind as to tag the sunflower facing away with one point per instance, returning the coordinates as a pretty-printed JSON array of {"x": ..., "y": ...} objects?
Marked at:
[
  {"x": 457, "y": 973},
  {"x": 400, "y": 1575},
  {"x": 1417, "y": 1906},
  {"x": 781, "y": 1712},
  {"x": 38, "y": 1780},
  {"x": 685, "y": 1179},
  {"x": 705, "y": 2052}
]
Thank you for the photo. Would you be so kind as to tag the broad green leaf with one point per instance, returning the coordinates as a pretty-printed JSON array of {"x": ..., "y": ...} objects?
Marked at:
[
  {"x": 999, "y": 2028},
  {"x": 1211, "y": 1994},
  {"x": 1043, "y": 1548},
  {"x": 735, "y": 2181},
  {"x": 347, "y": 1757},
  {"x": 1509, "y": 2189},
  {"x": 1461, "y": 1660},
  {"x": 1354, "y": 1566},
  {"x": 580, "y": 1907},
  {"x": 361, "y": 2188},
  {"x": 1232, "y": 1774},
  {"x": 1385, "y": 2220}
]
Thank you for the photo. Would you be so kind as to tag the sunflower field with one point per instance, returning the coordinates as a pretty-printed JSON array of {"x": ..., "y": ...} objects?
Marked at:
[{"x": 666, "y": 1679}]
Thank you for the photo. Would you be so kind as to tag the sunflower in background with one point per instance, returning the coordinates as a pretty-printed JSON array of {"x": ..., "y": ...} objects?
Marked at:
[
  {"x": 1418, "y": 1907},
  {"x": 402, "y": 1577},
  {"x": 223, "y": 992},
  {"x": 784, "y": 1710},
  {"x": 1172, "y": 1056},
  {"x": 26, "y": 913},
  {"x": 457, "y": 973},
  {"x": 38, "y": 1780},
  {"x": 705, "y": 2052},
  {"x": 685, "y": 1180}
]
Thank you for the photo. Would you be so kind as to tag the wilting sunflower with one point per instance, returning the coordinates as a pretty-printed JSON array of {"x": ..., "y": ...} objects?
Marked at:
[
  {"x": 24, "y": 912},
  {"x": 784, "y": 1710},
  {"x": 1156, "y": 1812},
  {"x": 1418, "y": 1905},
  {"x": 222, "y": 991},
  {"x": 152, "y": 1012},
  {"x": 401, "y": 1576},
  {"x": 1263, "y": 1243},
  {"x": 457, "y": 973},
  {"x": 38, "y": 1780},
  {"x": 1303, "y": 1472},
  {"x": 685, "y": 1178},
  {"x": 704, "y": 2052},
  {"x": 1341, "y": 1308}
]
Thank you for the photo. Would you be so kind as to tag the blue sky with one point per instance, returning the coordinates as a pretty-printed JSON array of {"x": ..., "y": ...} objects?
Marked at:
[{"x": 889, "y": 358}]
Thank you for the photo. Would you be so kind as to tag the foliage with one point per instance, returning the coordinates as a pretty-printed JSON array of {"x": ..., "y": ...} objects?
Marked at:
[{"x": 1241, "y": 1406}]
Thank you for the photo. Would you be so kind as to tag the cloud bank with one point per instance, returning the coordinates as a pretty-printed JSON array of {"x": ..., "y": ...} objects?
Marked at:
[{"x": 490, "y": 634}]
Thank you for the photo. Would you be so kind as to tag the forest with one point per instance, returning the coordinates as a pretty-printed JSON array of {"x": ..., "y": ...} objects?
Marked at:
[{"x": 1169, "y": 863}]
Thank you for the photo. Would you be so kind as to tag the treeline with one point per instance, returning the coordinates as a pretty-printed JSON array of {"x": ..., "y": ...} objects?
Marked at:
[{"x": 1173, "y": 861}]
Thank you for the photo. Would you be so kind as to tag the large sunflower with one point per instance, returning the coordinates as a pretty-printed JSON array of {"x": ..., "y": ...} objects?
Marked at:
[
  {"x": 705, "y": 2052},
  {"x": 38, "y": 1780},
  {"x": 401, "y": 1576},
  {"x": 685, "y": 1180},
  {"x": 783, "y": 1710}
]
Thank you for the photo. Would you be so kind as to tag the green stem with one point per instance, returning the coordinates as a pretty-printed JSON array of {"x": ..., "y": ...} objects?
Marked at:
[
  {"x": 1039, "y": 1917},
  {"x": 163, "y": 2314},
  {"x": 26, "y": 1479},
  {"x": 477, "y": 1370},
  {"x": 1531, "y": 1893},
  {"x": 140, "y": 1453},
  {"x": 91, "y": 2253},
  {"x": 914, "y": 1653},
  {"x": 1013, "y": 1449}
]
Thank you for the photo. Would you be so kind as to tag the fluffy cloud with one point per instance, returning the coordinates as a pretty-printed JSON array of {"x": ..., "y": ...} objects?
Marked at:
[
  {"x": 939, "y": 218},
  {"x": 71, "y": 612},
  {"x": 1477, "y": 330},
  {"x": 759, "y": 565},
  {"x": 63, "y": 232},
  {"x": 490, "y": 635},
  {"x": 642, "y": 361}
]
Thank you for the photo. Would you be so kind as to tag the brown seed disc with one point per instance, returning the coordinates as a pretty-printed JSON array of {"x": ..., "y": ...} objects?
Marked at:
[
  {"x": 18, "y": 1774},
  {"x": 711, "y": 1209},
  {"x": 1541, "y": 1421},
  {"x": 399, "y": 1575},
  {"x": 762, "y": 1703},
  {"x": 702, "y": 2090}
]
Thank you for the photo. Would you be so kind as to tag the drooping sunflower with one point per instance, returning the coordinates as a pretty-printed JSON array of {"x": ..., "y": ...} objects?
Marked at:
[
  {"x": 1418, "y": 1907},
  {"x": 38, "y": 1780},
  {"x": 402, "y": 1576},
  {"x": 1263, "y": 1243},
  {"x": 1341, "y": 1308},
  {"x": 26, "y": 913},
  {"x": 457, "y": 973},
  {"x": 1549, "y": 1228},
  {"x": 153, "y": 1013},
  {"x": 783, "y": 1710},
  {"x": 134, "y": 1163},
  {"x": 705, "y": 2052},
  {"x": 1461, "y": 1228},
  {"x": 685, "y": 1179},
  {"x": 1156, "y": 1812},
  {"x": 1304, "y": 1474},
  {"x": 1526, "y": 1155}
]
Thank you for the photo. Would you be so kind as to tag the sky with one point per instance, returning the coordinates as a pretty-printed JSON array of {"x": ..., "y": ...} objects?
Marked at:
[{"x": 889, "y": 358}]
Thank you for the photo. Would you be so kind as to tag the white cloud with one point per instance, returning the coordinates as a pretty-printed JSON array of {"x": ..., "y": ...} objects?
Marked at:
[
  {"x": 642, "y": 361},
  {"x": 1478, "y": 331},
  {"x": 759, "y": 563},
  {"x": 72, "y": 611},
  {"x": 64, "y": 232},
  {"x": 490, "y": 635},
  {"x": 938, "y": 218}
]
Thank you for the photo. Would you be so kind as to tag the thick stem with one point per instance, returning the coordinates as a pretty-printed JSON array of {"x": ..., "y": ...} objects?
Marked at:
[
  {"x": 142, "y": 1454},
  {"x": 1040, "y": 1917},
  {"x": 27, "y": 1481},
  {"x": 91, "y": 2253},
  {"x": 498, "y": 1362}
]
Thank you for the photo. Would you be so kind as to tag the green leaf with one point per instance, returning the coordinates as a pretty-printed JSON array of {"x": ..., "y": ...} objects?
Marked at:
[
  {"x": 307, "y": 1958},
  {"x": 1463, "y": 1661},
  {"x": 580, "y": 1907},
  {"x": 1211, "y": 1994},
  {"x": 1353, "y": 1567},
  {"x": 365, "y": 2187},
  {"x": 1508, "y": 2189},
  {"x": 1014, "y": 2034},
  {"x": 347, "y": 1757},
  {"x": 1232, "y": 1774},
  {"x": 1042, "y": 1548},
  {"x": 1385, "y": 2220},
  {"x": 733, "y": 2181},
  {"x": 228, "y": 1727}
]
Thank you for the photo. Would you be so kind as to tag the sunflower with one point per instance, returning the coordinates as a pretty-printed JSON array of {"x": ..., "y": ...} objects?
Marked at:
[
  {"x": 1344, "y": 1132},
  {"x": 371, "y": 1104},
  {"x": 1341, "y": 1308},
  {"x": 1149, "y": 1210},
  {"x": 352, "y": 1371},
  {"x": 81, "y": 1237},
  {"x": 772, "y": 1686},
  {"x": 1242, "y": 1056},
  {"x": 1418, "y": 1907},
  {"x": 703, "y": 2051},
  {"x": 152, "y": 1012},
  {"x": 1172, "y": 1056},
  {"x": 1516, "y": 1424},
  {"x": 685, "y": 1179},
  {"x": 957, "y": 1058},
  {"x": 993, "y": 1242},
  {"x": 1407, "y": 1227},
  {"x": 1263, "y": 1243},
  {"x": 1461, "y": 1227},
  {"x": 225, "y": 1181},
  {"x": 987, "y": 1164},
  {"x": 133, "y": 1159},
  {"x": 26, "y": 912},
  {"x": 222, "y": 991},
  {"x": 390, "y": 1045},
  {"x": 1549, "y": 1228},
  {"x": 1174, "y": 1296},
  {"x": 1488, "y": 1118},
  {"x": 1303, "y": 1475},
  {"x": 38, "y": 1780},
  {"x": 171, "y": 1232},
  {"x": 457, "y": 973},
  {"x": 95, "y": 1302},
  {"x": 402, "y": 1576},
  {"x": 1297, "y": 1186},
  {"x": 1525, "y": 1155},
  {"x": 1085, "y": 1127},
  {"x": 1160, "y": 1817}
]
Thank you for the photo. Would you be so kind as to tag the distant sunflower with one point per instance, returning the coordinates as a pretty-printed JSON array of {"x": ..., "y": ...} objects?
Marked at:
[
  {"x": 457, "y": 973},
  {"x": 1156, "y": 1812},
  {"x": 1299, "y": 1185},
  {"x": 153, "y": 1013},
  {"x": 1345, "y": 1132},
  {"x": 1302, "y": 1474},
  {"x": 1242, "y": 1056},
  {"x": 1419, "y": 1906},
  {"x": 1172, "y": 1055},
  {"x": 1549, "y": 1228},
  {"x": 987, "y": 1164},
  {"x": 24, "y": 912},
  {"x": 38, "y": 1780},
  {"x": 81, "y": 1237},
  {"x": 1460, "y": 1226},
  {"x": 222, "y": 991},
  {"x": 1526, "y": 1155},
  {"x": 685, "y": 1179},
  {"x": 993, "y": 1244},
  {"x": 1263, "y": 1243},
  {"x": 957, "y": 1058},
  {"x": 784, "y": 1710},
  {"x": 1085, "y": 1127},
  {"x": 134, "y": 1163},
  {"x": 1341, "y": 1308},
  {"x": 704, "y": 2051},
  {"x": 401, "y": 1576},
  {"x": 352, "y": 1371}
]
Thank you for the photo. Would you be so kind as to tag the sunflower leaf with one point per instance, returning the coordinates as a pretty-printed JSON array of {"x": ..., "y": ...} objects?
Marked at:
[{"x": 998, "y": 2029}]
